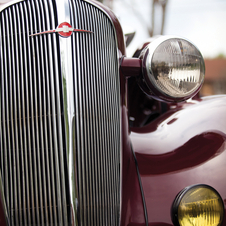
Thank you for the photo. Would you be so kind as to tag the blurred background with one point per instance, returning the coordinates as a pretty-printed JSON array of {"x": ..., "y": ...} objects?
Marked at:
[{"x": 201, "y": 21}]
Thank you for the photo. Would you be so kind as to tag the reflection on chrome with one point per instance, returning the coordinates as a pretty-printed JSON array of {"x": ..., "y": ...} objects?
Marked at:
[{"x": 175, "y": 86}]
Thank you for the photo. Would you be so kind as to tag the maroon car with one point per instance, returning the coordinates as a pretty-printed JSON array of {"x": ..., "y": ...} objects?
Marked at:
[{"x": 89, "y": 137}]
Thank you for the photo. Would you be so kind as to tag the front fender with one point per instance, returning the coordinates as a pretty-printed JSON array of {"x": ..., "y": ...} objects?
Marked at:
[{"x": 184, "y": 147}]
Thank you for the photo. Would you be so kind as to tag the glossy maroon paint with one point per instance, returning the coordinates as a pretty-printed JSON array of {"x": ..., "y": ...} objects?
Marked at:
[
  {"x": 131, "y": 67},
  {"x": 132, "y": 212},
  {"x": 2, "y": 214},
  {"x": 185, "y": 146}
]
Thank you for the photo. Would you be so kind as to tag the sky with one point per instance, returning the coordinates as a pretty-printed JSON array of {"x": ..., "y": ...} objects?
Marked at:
[{"x": 201, "y": 21}]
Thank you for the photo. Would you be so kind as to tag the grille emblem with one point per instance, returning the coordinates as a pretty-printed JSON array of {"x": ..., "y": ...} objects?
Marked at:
[{"x": 64, "y": 30}]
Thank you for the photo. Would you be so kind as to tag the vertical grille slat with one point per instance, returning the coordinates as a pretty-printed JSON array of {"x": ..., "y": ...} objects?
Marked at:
[
  {"x": 97, "y": 97},
  {"x": 3, "y": 113},
  {"x": 23, "y": 63},
  {"x": 34, "y": 119},
  {"x": 93, "y": 101},
  {"x": 40, "y": 105},
  {"x": 11, "y": 91},
  {"x": 37, "y": 117},
  {"x": 45, "y": 115},
  {"x": 107, "y": 118},
  {"x": 52, "y": 58},
  {"x": 102, "y": 117},
  {"x": 84, "y": 123},
  {"x": 17, "y": 176},
  {"x": 20, "y": 100},
  {"x": 28, "y": 120}
]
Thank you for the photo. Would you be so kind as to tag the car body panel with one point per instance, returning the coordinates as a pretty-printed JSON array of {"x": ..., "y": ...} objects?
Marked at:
[{"x": 186, "y": 146}]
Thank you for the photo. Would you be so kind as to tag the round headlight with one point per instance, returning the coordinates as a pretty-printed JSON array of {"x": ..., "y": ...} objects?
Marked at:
[
  {"x": 198, "y": 205},
  {"x": 173, "y": 69}
]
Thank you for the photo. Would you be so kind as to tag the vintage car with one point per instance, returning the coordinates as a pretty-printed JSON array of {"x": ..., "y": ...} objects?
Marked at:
[{"x": 90, "y": 137}]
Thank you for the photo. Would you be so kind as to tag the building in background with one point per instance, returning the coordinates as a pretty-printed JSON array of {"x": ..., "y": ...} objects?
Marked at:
[{"x": 215, "y": 77}]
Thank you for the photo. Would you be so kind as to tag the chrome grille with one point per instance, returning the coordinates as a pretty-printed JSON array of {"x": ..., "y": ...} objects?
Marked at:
[
  {"x": 97, "y": 104},
  {"x": 34, "y": 132},
  {"x": 32, "y": 142}
]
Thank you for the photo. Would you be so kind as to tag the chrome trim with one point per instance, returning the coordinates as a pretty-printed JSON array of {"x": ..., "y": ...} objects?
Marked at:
[
  {"x": 149, "y": 51},
  {"x": 3, "y": 137},
  {"x": 3, "y": 141},
  {"x": 31, "y": 108},
  {"x": 95, "y": 117},
  {"x": 5, "y": 5},
  {"x": 72, "y": 109},
  {"x": 30, "y": 114},
  {"x": 40, "y": 116},
  {"x": 110, "y": 19},
  {"x": 69, "y": 108},
  {"x": 23, "y": 125},
  {"x": 119, "y": 55}
]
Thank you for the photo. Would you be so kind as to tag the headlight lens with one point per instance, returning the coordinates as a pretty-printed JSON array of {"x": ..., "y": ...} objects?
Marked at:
[
  {"x": 199, "y": 205},
  {"x": 177, "y": 68},
  {"x": 174, "y": 68}
]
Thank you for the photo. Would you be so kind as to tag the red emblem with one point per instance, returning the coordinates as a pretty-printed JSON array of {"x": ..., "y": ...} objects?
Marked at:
[{"x": 64, "y": 30}]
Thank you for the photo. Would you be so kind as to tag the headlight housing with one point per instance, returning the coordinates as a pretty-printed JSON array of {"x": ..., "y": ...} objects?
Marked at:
[
  {"x": 198, "y": 205},
  {"x": 173, "y": 69}
]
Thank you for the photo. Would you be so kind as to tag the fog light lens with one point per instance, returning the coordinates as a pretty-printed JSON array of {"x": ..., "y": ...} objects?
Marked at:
[{"x": 199, "y": 205}]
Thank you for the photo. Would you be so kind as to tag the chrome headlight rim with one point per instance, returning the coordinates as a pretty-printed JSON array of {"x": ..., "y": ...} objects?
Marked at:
[
  {"x": 146, "y": 82},
  {"x": 181, "y": 195}
]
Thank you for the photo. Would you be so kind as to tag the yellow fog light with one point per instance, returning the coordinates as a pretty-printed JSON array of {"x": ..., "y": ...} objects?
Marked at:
[{"x": 198, "y": 205}]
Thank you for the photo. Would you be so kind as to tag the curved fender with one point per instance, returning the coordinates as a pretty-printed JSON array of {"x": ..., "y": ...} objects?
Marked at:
[{"x": 183, "y": 147}]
